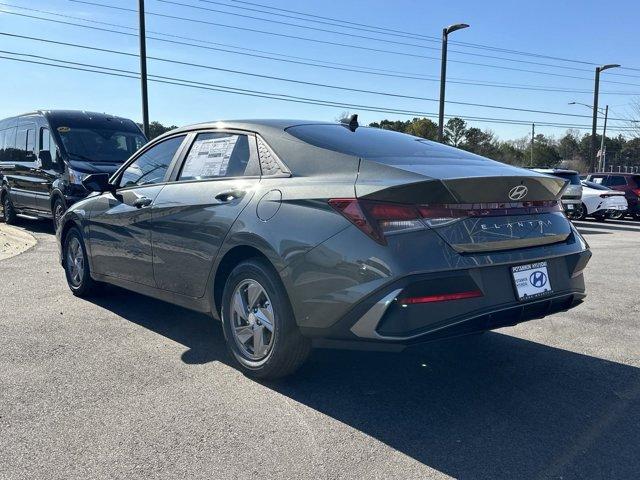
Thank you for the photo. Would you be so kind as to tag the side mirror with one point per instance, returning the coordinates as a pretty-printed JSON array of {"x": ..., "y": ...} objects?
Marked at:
[
  {"x": 97, "y": 182},
  {"x": 45, "y": 159}
]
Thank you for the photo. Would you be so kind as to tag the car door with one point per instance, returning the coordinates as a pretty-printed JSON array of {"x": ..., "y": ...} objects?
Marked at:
[
  {"x": 211, "y": 186},
  {"x": 46, "y": 174},
  {"x": 120, "y": 222}
]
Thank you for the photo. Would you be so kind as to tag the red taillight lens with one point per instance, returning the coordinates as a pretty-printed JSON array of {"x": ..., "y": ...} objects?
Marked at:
[
  {"x": 637, "y": 192},
  {"x": 377, "y": 218},
  {"x": 440, "y": 298}
]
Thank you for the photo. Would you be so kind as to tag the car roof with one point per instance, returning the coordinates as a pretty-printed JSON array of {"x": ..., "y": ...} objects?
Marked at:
[
  {"x": 261, "y": 126},
  {"x": 554, "y": 170},
  {"x": 623, "y": 174}
]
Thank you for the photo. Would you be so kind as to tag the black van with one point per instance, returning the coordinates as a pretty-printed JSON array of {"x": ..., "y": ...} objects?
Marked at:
[{"x": 44, "y": 156}]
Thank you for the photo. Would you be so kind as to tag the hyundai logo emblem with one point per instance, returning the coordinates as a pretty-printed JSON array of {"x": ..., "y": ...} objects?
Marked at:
[
  {"x": 538, "y": 279},
  {"x": 518, "y": 192}
]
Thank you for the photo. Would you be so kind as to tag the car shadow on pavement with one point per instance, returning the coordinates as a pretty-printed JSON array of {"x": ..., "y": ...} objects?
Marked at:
[{"x": 494, "y": 406}]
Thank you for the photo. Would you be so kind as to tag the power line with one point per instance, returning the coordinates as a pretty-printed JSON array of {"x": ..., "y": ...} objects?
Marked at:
[
  {"x": 290, "y": 80},
  {"x": 173, "y": 2},
  {"x": 414, "y": 35},
  {"x": 301, "y": 60},
  {"x": 338, "y": 44},
  {"x": 261, "y": 94}
]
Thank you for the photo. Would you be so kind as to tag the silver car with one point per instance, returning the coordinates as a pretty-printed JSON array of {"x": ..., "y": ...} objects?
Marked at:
[{"x": 296, "y": 234}]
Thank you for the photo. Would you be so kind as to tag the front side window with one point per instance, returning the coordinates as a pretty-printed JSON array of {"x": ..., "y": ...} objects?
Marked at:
[
  {"x": 151, "y": 167},
  {"x": 215, "y": 155}
]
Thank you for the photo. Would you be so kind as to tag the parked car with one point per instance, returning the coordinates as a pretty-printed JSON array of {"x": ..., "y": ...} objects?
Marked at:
[
  {"x": 629, "y": 183},
  {"x": 601, "y": 202},
  {"x": 44, "y": 156},
  {"x": 572, "y": 196},
  {"x": 304, "y": 233}
]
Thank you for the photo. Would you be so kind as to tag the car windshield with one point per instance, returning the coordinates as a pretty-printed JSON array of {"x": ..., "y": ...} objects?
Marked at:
[{"x": 100, "y": 145}]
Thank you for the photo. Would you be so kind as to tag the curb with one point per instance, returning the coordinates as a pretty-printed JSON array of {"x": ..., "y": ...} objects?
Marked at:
[{"x": 14, "y": 241}]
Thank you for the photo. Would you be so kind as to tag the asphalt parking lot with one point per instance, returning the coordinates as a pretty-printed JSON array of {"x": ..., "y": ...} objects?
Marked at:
[{"x": 123, "y": 386}]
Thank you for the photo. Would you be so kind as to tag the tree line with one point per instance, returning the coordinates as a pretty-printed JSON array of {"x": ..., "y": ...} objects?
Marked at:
[{"x": 572, "y": 149}]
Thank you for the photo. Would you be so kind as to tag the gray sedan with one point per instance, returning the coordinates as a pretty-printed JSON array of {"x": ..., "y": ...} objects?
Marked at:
[{"x": 296, "y": 234}]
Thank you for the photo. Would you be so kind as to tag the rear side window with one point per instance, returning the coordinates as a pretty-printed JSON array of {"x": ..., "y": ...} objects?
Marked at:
[
  {"x": 598, "y": 180},
  {"x": 216, "y": 155},
  {"x": 637, "y": 180},
  {"x": 616, "y": 180},
  {"x": 151, "y": 167},
  {"x": 8, "y": 151},
  {"x": 25, "y": 144}
]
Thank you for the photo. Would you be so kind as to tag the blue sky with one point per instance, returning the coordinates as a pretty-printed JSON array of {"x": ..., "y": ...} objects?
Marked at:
[{"x": 588, "y": 31}]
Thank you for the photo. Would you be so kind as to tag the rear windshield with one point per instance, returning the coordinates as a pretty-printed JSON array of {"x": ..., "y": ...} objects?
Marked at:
[
  {"x": 574, "y": 178},
  {"x": 364, "y": 142}
]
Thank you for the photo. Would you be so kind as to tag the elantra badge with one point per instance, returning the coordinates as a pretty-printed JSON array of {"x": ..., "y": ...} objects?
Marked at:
[{"x": 518, "y": 192}]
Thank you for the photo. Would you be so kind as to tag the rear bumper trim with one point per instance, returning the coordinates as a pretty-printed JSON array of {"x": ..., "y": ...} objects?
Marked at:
[{"x": 366, "y": 326}]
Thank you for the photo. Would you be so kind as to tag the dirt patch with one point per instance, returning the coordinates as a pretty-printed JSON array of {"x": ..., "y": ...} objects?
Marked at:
[{"x": 14, "y": 241}]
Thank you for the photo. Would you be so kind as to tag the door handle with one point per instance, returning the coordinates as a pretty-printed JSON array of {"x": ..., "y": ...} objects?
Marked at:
[
  {"x": 229, "y": 195},
  {"x": 142, "y": 202}
]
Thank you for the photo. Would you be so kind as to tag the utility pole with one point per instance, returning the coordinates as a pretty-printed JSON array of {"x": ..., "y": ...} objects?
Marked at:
[
  {"x": 604, "y": 133},
  {"x": 443, "y": 74},
  {"x": 594, "y": 124},
  {"x": 143, "y": 70},
  {"x": 533, "y": 135}
]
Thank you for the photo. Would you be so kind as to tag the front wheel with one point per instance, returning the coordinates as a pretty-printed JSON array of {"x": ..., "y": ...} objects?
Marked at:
[
  {"x": 76, "y": 265},
  {"x": 58, "y": 210},
  {"x": 259, "y": 326}
]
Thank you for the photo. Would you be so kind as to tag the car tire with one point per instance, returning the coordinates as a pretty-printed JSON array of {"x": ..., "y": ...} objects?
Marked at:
[
  {"x": 76, "y": 265},
  {"x": 582, "y": 213},
  {"x": 8, "y": 212},
  {"x": 57, "y": 210},
  {"x": 258, "y": 322},
  {"x": 616, "y": 215}
]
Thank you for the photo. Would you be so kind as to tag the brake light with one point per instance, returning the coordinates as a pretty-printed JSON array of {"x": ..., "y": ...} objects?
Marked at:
[
  {"x": 637, "y": 191},
  {"x": 440, "y": 298},
  {"x": 377, "y": 218}
]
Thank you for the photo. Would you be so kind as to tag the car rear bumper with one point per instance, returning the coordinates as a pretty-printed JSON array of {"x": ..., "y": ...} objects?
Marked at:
[{"x": 382, "y": 318}]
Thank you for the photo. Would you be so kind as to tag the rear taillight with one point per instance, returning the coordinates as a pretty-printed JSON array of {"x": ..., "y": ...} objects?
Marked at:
[
  {"x": 377, "y": 218},
  {"x": 637, "y": 192}
]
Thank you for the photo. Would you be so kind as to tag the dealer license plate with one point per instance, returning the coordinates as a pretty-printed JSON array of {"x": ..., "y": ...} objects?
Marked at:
[{"x": 531, "y": 280}]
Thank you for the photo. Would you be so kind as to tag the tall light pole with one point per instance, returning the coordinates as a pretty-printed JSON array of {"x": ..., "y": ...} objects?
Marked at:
[
  {"x": 143, "y": 70},
  {"x": 443, "y": 73},
  {"x": 594, "y": 124}
]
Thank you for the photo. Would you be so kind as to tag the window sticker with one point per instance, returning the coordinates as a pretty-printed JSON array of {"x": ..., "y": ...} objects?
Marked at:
[
  {"x": 209, "y": 158},
  {"x": 63, "y": 129}
]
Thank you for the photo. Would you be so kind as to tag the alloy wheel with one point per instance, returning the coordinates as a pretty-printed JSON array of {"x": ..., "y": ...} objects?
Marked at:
[
  {"x": 75, "y": 262},
  {"x": 58, "y": 212},
  {"x": 252, "y": 320}
]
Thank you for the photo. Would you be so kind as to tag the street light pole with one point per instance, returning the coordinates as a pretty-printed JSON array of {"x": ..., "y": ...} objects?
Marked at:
[
  {"x": 443, "y": 74},
  {"x": 594, "y": 123},
  {"x": 143, "y": 70}
]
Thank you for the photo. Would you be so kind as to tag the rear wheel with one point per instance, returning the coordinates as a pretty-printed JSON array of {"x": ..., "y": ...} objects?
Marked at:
[
  {"x": 259, "y": 327},
  {"x": 8, "y": 212},
  {"x": 76, "y": 265},
  {"x": 581, "y": 212}
]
